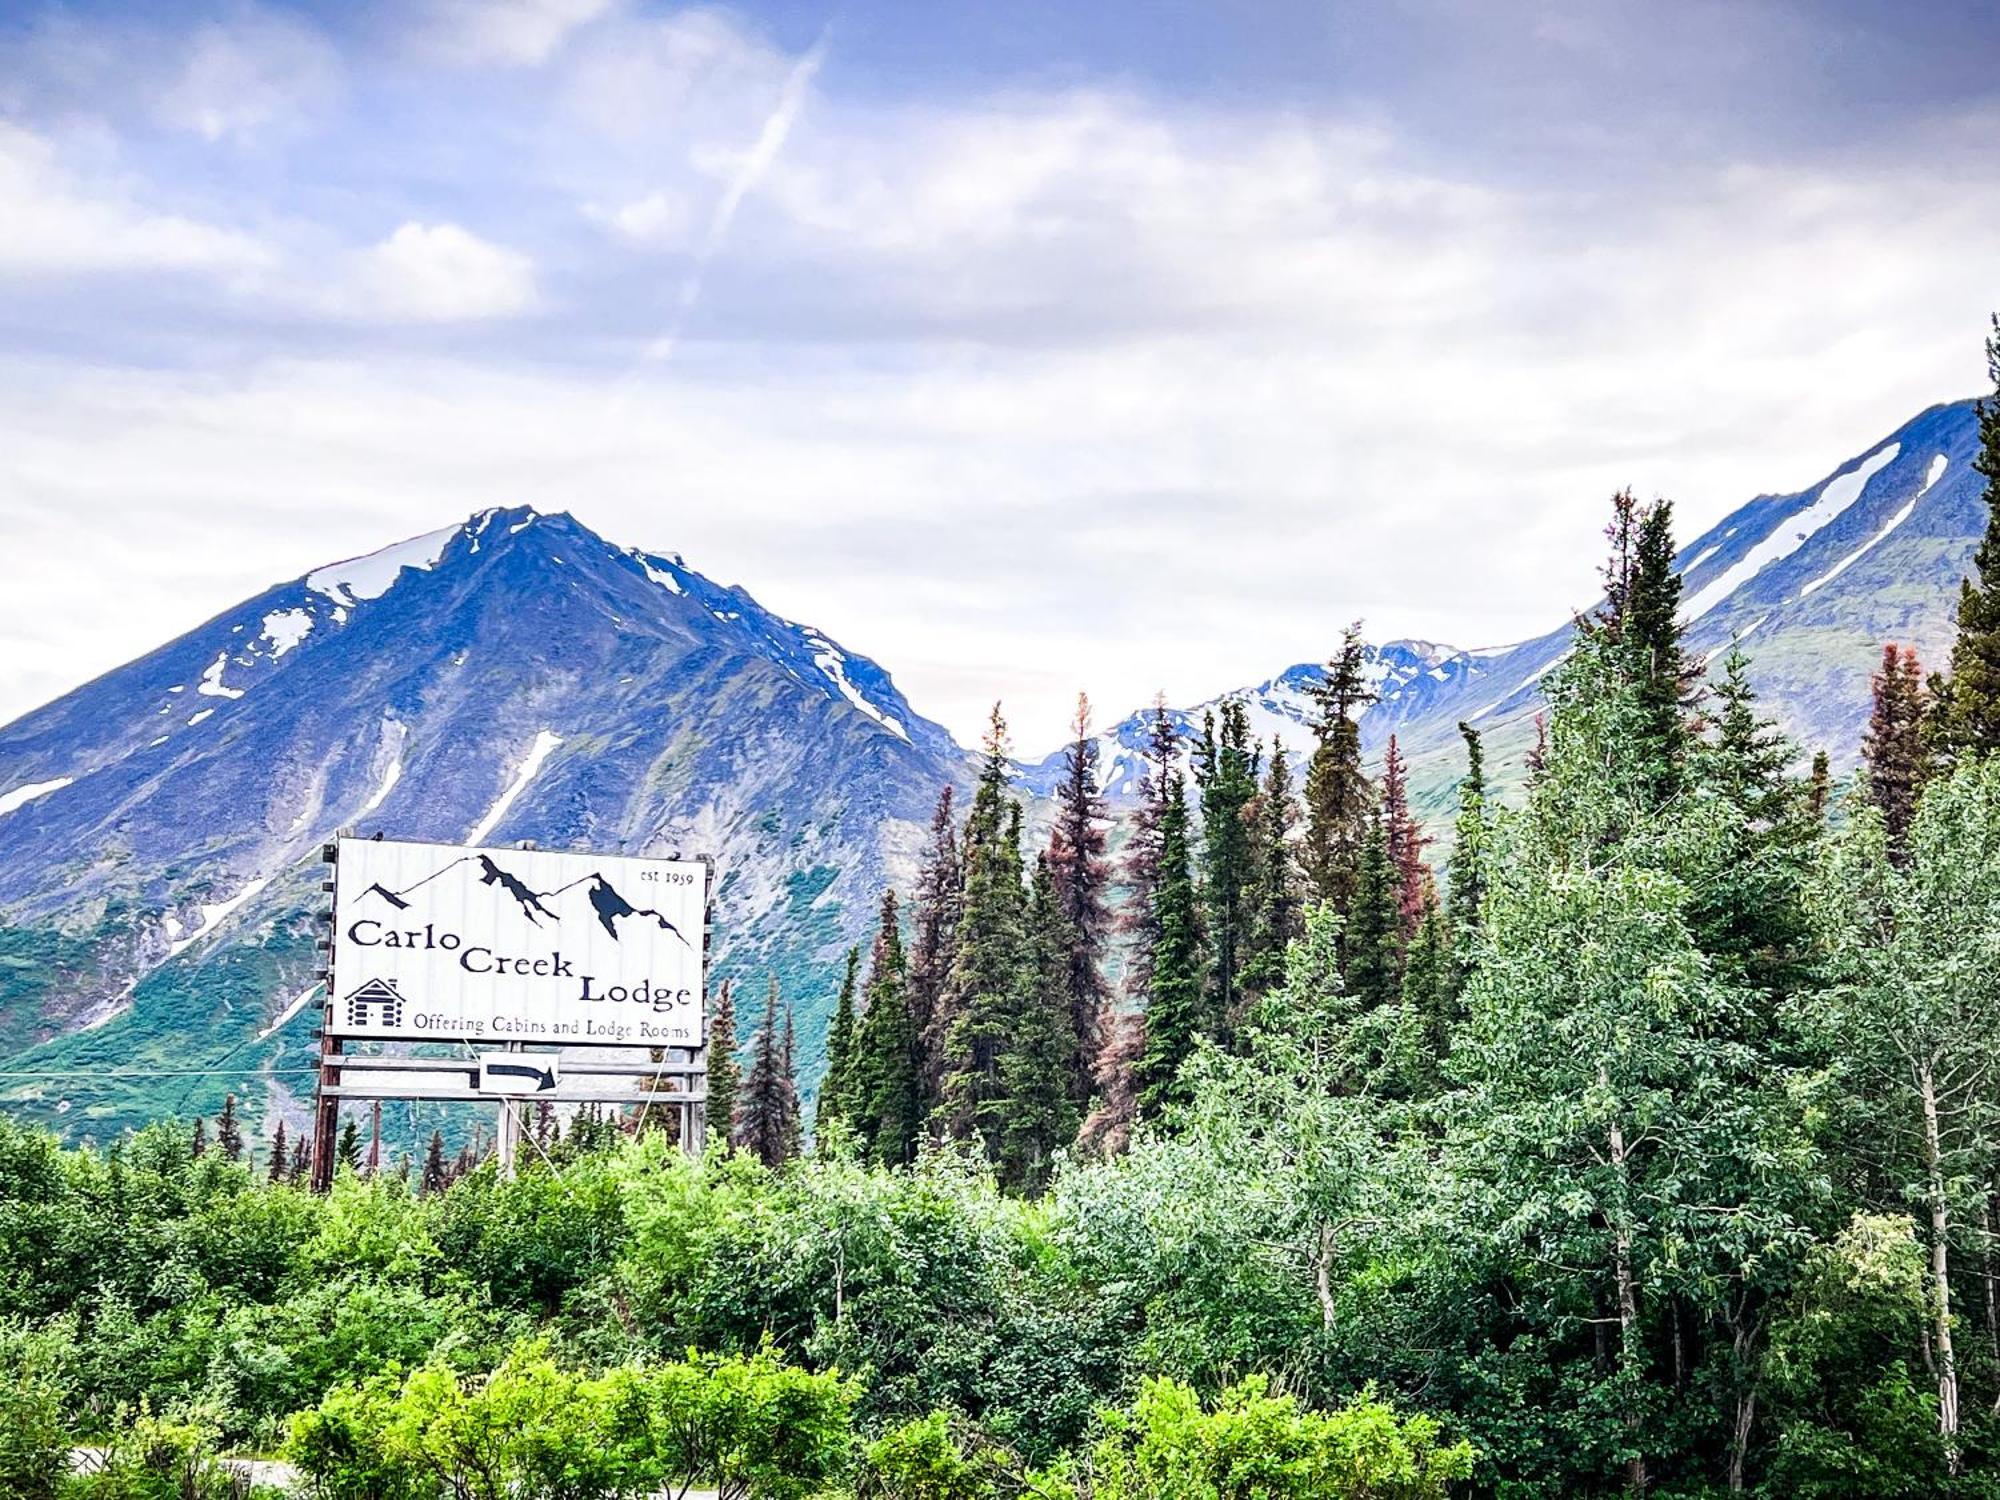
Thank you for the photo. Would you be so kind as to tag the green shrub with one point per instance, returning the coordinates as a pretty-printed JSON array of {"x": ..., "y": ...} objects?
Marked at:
[{"x": 1251, "y": 1443}]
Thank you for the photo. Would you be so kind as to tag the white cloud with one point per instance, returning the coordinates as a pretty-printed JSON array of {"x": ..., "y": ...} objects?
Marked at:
[
  {"x": 650, "y": 81},
  {"x": 243, "y": 79},
  {"x": 58, "y": 225},
  {"x": 437, "y": 273},
  {"x": 659, "y": 220},
  {"x": 511, "y": 33}
]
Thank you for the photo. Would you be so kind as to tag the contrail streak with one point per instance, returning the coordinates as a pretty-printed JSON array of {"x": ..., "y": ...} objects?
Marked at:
[{"x": 770, "y": 141}]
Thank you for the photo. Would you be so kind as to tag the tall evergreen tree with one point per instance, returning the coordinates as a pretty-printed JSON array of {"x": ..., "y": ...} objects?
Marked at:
[
  {"x": 836, "y": 1085},
  {"x": 1082, "y": 885},
  {"x": 437, "y": 1172},
  {"x": 229, "y": 1130},
  {"x": 1640, "y": 624},
  {"x": 1892, "y": 749},
  {"x": 940, "y": 896},
  {"x": 274, "y": 1168},
  {"x": 1416, "y": 893},
  {"x": 1748, "y": 912},
  {"x": 887, "y": 1087},
  {"x": 1472, "y": 837},
  {"x": 1819, "y": 789},
  {"x": 1371, "y": 943},
  {"x": 1275, "y": 910},
  {"x": 768, "y": 1116},
  {"x": 1177, "y": 1015},
  {"x": 301, "y": 1162},
  {"x": 724, "y": 1073},
  {"x": 1430, "y": 996},
  {"x": 985, "y": 979},
  {"x": 199, "y": 1144},
  {"x": 1339, "y": 797},
  {"x": 1107, "y": 1130},
  {"x": 1142, "y": 853},
  {"x": 1965, "y": 712},
  {"x": 348, "y": 1152},
  {"x": 1042, "y": 1114},
  {"x": 788, "y": 1061},
  {"x": 1225, "y": 768}
]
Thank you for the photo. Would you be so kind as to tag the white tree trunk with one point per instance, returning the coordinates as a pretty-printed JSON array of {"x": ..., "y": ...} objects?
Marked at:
[
  {"x": 1628, "y": 1302},
  {"x": 1947, "y": 1363}
]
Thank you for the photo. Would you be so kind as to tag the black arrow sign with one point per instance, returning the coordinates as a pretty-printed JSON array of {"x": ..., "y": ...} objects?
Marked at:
[{"x": 545, "y": 1078}]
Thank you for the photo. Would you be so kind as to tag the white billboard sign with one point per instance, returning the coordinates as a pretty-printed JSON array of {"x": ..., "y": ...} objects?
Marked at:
[{"x": 433, "y": 942}]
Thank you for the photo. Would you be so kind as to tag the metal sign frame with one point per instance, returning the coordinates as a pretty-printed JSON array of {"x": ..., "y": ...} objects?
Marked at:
[{"x": 676, "y": 1078}]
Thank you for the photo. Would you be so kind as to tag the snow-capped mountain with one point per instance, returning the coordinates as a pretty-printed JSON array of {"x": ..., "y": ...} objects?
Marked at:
[
  {"x": 514, "y": 677},
  {"x": 1406, "y": 677},
  {"x": 1813, "y": 583}
]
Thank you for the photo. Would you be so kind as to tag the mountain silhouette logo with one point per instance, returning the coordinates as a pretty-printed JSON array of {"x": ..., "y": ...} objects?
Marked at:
[
  {"x": 607, "y": 903},
  {"x": 377, "y": 995}
]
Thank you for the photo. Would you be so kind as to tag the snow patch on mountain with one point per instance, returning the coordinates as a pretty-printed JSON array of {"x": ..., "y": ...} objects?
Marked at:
[
  {"x": 21, "y": 796},
  {"x": 292, "y": 1008},
  {"x": 1794, "y": 532},
  {"x": 213, "y": 915},
  {"x": 545, "y": 742},
  {"x": 211, "y": 684},
  {"x": 829, "y": 660},
  {"x": 372, "y": 576},
  {"x": 285, "y": 628},
  {"x": 660, "y": 575},
  {"x": 394, "y": 732}
]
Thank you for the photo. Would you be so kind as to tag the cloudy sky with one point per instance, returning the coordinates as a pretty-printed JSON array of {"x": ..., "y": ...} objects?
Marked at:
[{"x": 1027, "y": 348}]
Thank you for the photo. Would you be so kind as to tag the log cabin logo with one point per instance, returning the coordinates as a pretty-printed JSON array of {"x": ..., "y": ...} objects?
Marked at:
[
  {"x": 376, "y": 1003},
  {"x": 607, "y": 903}
]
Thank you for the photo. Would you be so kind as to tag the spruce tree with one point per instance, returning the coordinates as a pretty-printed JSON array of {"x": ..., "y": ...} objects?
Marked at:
[
  {"x": 1640, "y": 625},
  {"x": 1107, "y": 1130},
  {"x": 1176, "y": 1013},
  {"x": 200, "y": 1142},
  {"x": 836, "y": 1085},
  {"x": 1225, "y": 768},
  {"x": 792, "y": 1120},
  {"x": 1338, "y": 795},
  {"x": 301, "y": 1162},
  {"x": 1892, "y": 750},
  {"x": 1042, "y": 1114},
  {"x": 981, "y": 992},
  {"x": 1819, "y": 789},
  {"x": 1472, "y": 837},
  {"x": 1082, "y": 882},
  {"x": 767, "y": 1117},
  {"x": 887, "y": 1087},
  {"x": 1430, "y": 996},
  {"x": 1272, "y": 899},
  {"x": 1965, "y": 712},
  {"x": 940, "y": 895},
  {"x": 437, "y": 1174},
  {"x": 1415, "y": 891},
  {"x": 1142, "y": 853},
  {"x": 274, "y": 1168},
  {"x": 1748, "y": 913},
  {"x": 228, "y": 1130},
  {"x": 1371, "y": 943},
  {"x": 723, "y": 1070},
  {"x": 348, "y": 1153}
]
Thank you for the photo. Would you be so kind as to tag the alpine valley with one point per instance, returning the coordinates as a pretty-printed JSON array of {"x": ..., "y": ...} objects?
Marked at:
[{"x": 518, "y": 677}]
